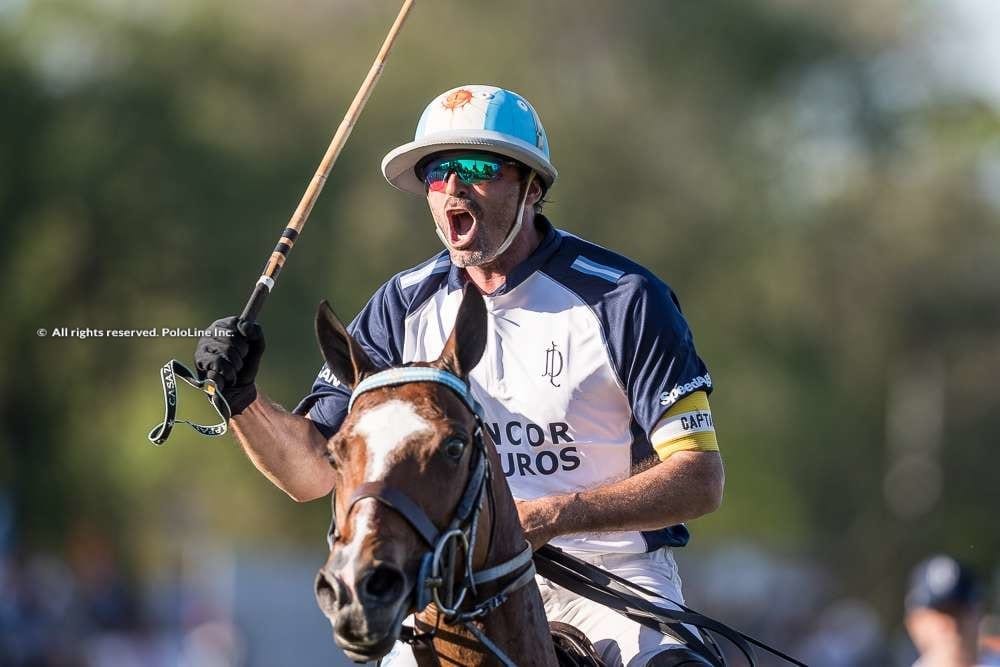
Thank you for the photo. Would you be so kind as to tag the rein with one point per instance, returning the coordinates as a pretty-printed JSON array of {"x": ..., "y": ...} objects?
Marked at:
[
  {"x": 623, "y": 596},
  {"x": 439, "y": 566}
]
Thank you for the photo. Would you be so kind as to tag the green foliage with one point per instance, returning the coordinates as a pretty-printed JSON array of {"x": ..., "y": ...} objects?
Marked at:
[{"x": 819, "y": 240}]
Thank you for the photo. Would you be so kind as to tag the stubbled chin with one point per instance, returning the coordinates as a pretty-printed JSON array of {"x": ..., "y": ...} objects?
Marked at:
[{"x": 466, "y": 258}]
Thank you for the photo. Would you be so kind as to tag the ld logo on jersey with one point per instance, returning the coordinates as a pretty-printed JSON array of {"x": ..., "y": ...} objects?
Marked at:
[{"x": 553, "y": 364}]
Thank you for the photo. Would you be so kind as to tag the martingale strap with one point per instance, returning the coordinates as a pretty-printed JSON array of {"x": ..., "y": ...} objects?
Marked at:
[
  {"x": 505, "y": 568},
  {"x": 172, "y": 370}
]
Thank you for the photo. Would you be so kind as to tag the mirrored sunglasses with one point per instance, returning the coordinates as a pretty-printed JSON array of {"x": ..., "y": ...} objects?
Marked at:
[{"x": 470, "y": 169}]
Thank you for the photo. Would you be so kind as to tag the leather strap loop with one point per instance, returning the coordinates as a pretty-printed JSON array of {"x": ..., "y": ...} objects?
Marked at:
[{"x": 169, "y": 373}]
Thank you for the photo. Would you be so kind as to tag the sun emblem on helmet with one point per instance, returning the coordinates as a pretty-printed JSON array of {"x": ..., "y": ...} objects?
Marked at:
[{"x": 457, "y": 99}]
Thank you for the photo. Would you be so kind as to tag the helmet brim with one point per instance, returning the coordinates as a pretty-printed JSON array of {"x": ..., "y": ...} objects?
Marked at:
[{"x": 398, "y": 166}]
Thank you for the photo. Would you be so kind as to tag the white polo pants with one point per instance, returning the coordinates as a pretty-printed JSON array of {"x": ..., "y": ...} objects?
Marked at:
[{"x": 619, "y": 641}]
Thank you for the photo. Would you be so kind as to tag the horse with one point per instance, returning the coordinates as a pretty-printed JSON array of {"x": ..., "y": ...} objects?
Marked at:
[{"x": 421, "y": 524}]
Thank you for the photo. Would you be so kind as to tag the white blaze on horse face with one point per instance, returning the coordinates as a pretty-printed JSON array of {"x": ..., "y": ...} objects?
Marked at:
[
  {"x": 352, "y": 550},
  {"x": 385, "y": 428}
]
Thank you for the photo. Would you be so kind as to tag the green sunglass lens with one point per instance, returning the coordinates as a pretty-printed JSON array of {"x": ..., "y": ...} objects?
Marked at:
[
  {"x": 468, "y": 169},
  {"x": 474, "y": 171}
]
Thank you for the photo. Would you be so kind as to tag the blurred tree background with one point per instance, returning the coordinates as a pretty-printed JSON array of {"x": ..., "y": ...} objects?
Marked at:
[{"x": 819, "y": 183}]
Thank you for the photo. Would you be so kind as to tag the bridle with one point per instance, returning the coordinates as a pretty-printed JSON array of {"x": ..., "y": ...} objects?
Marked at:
[{"x": 436, "y": 581}]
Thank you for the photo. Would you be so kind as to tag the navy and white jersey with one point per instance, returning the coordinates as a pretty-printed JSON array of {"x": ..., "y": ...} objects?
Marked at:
[{"x": 585, "y": 352}]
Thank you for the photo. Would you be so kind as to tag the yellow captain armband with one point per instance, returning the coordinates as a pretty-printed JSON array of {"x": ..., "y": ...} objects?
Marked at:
[{"x": 686, "y": 426}]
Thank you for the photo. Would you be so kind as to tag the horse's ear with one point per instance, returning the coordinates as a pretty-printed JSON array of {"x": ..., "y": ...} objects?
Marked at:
[
  {"x": 345, "y": 357},
  {"x": 467, "y": 342}
]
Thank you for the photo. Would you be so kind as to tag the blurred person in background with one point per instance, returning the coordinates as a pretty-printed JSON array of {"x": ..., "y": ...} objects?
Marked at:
[
  {"x": 944, "y": 609},
  {"x": 989, "y": 640},
  {"x": 590, "y": 385}
]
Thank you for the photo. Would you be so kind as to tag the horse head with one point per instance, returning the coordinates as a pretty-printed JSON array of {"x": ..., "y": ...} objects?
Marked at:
[{"x": 413, "y": 443}]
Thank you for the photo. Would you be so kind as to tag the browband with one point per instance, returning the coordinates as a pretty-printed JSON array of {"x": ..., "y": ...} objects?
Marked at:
[{"x": 396, "y": 376}]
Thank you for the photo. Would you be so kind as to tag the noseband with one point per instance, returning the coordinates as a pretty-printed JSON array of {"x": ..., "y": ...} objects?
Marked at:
[{"x": 438, "y": 566}]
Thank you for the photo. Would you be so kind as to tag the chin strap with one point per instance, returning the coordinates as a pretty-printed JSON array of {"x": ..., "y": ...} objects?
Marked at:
[
  {"x": 444, "y": 239},
  {"x": 514, "y": 229}
]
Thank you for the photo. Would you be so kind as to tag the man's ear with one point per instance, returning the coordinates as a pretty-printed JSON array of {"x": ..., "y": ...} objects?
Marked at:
[
  {"x": 345, "y": 357},
  {"x": 536, "y": 192},
  {"x": 467, "y": 341}
]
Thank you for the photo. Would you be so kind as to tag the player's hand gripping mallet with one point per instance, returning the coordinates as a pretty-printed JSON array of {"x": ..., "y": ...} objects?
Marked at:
[{"x": 213, "y": 384}]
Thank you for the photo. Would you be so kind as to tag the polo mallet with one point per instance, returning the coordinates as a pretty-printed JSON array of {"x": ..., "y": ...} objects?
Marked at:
[{"x": 212, "y": 385}]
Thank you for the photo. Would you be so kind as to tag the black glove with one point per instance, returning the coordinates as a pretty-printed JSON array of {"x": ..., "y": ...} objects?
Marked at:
[{"x": 231, "y": 360}]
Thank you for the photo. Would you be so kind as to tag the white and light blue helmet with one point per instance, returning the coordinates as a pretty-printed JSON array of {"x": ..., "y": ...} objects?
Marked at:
[{"x": 479, "y": 117}]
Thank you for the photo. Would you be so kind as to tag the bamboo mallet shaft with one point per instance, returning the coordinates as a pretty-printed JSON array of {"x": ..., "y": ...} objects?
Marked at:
[{"x": 298, "y": 220}]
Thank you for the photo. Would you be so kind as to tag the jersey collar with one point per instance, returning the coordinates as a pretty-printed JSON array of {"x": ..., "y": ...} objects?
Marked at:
[{"x": 551, "y": 240}]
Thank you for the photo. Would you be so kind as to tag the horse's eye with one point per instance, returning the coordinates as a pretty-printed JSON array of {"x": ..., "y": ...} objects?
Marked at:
[
  {"x": 331, "y": 454},
  {"x": 453, "y": 448}
]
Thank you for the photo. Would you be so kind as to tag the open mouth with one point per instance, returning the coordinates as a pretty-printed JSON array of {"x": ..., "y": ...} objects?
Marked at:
[
  {"x": 368, "y": 652},
  {"x": 371, "y": 647},
  {"x": 461, "y": 227}
]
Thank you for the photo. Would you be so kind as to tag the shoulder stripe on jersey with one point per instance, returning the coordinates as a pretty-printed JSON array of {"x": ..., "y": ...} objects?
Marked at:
[
  {"x": 584, "y": 265},
  {"x": 414, "y": 277}
]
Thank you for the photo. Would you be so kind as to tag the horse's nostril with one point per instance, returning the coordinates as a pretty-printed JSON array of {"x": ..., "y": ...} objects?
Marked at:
[
  {"x": 382, "y": 584},
  {"x": 326, "y": 592}
]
